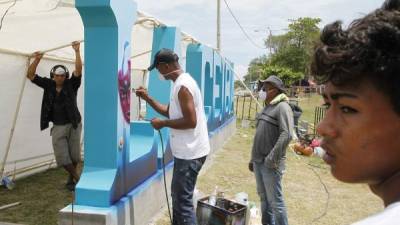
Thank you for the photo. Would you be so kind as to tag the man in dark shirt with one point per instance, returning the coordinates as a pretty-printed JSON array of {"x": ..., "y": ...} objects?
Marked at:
[{"x": 59, "y": 106}]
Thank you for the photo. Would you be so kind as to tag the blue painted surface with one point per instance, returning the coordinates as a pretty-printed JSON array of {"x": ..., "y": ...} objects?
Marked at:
[
  {"x": 119, "y": 206},
  {"x": 163, "y": 37},
  {"x": 218, "y": 90},
  {"x": 217, "y": 130},
  {"x": 228, "y": 89},
  {"x": 156, "y": 177},
  {"x": 122, "y": 157},
  {"x": 108, "y": 27},
  {"x": 214, "y": 75},
  {"x": 142, "y": 139}
]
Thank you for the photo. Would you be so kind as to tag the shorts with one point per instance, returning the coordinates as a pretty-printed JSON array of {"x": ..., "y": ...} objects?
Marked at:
[{"x": 66, "y": 143}]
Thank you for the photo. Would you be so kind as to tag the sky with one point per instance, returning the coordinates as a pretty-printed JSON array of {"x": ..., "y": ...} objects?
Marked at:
[{"x": 198, "y": 18}]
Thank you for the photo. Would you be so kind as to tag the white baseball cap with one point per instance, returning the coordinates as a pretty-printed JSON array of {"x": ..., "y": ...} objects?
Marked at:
[{"x": 60, "y": 71}]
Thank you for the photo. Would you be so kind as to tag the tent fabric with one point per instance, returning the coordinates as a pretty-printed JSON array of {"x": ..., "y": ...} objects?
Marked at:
[{"x": 42, "y": 25}]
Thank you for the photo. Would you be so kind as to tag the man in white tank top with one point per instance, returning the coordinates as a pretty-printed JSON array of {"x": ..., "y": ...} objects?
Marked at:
[{"x": 188, "y": 132}]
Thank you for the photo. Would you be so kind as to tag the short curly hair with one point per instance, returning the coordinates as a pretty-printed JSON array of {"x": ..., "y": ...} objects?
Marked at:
[{"x": 369, "y": 49}]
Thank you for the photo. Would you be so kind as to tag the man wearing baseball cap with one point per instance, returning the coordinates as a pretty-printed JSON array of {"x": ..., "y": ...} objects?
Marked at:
[
  {"x": 188, "y": 135},
  {"x": 273, "y": 134},
  {"x": 59, "y": 106}
]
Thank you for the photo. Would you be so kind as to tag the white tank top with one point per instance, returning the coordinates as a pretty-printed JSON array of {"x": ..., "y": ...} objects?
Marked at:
[{"x": 189, "y": 143}]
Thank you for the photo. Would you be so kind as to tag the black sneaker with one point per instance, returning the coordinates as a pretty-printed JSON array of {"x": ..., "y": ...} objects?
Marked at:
[
  {"x": 70, "y": 179},
  {"x": 70, "y": 186}
]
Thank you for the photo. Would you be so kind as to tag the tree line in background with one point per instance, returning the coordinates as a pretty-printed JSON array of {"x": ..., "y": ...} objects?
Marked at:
[{"x": 290, "y": 53}]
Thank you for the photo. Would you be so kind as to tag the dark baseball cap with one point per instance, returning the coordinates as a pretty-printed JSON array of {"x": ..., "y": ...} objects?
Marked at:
[
  {"x": 164, "y": 56},
  {"x": 275, "y": 81}
]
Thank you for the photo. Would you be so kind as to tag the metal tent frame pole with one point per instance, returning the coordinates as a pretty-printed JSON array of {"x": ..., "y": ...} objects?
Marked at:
[{"x": 14, "y": 123}]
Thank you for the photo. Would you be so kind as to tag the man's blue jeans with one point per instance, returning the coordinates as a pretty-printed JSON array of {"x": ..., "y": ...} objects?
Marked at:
[
  {"x": 183, "y": 182},
  {"x": 269, "y": 189}
]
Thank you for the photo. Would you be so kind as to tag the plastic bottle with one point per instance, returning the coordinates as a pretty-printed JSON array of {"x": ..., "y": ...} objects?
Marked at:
[
  {"x": 241, "y": 197},
  {"x": 220, "y": 200},
  {"x": 246, "y": 203},
  {"x": 213, "y": 197},
  {"x": 8, "y": 183},
  {"x": 320, "y": 152}
]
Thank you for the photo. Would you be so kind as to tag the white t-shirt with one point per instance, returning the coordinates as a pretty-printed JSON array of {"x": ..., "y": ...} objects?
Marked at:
[
  {"x": 389, "y": 216},
  {"x": 189, "y": 143}
]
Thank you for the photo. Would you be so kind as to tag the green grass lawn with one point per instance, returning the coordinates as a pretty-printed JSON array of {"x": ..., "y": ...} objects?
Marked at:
[
  {"x": 304, "y": 194},
  {"x": 43, "y": 195},
  {"x": 308, "y": 106}
]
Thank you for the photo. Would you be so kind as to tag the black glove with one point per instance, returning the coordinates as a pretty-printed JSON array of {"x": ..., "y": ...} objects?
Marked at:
[{"x": 251, "y": 167}]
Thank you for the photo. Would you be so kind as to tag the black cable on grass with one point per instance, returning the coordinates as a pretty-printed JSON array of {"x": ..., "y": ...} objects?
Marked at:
[{"x": 328, "y": 196}]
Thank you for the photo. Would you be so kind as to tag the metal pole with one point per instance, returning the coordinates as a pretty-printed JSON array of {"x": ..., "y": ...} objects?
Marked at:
[
  {"x": 256, "y": 106},
  {"x": 21, "y": 93},
  {"x": 251, "y": 100},
  {"x": 316, "y": 116},
  {"x": 244, "y": 101},
  {"x": 9, "y": 205},
  {"x": 219, "y": 25},
  {"x": 59, "y": 47},
  {"x": 269, "y": 40},
  {"x": 237, "y": 105}
]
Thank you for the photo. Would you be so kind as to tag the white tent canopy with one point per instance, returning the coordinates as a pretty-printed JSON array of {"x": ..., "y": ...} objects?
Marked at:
[{"x": 48, "y": 26}]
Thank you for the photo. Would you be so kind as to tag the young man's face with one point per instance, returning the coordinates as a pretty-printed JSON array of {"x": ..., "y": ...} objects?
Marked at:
[
  {"x": 59, "y": 79},
  {"x": 163, "y": 68},
  {"x": 361, "y": 134}
]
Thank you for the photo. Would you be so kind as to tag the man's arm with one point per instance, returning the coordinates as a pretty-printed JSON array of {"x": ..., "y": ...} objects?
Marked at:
[
  {"x": 42, "y": 82},
  {"x": 160, "y": 108},
  {"x": 189, "y": 119},
  {"x": 32, "y": 68},
  {"x": 77, "y": 74},
  {"x": 78, "y": 59},
  {"x": 285, "y": 130}
]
